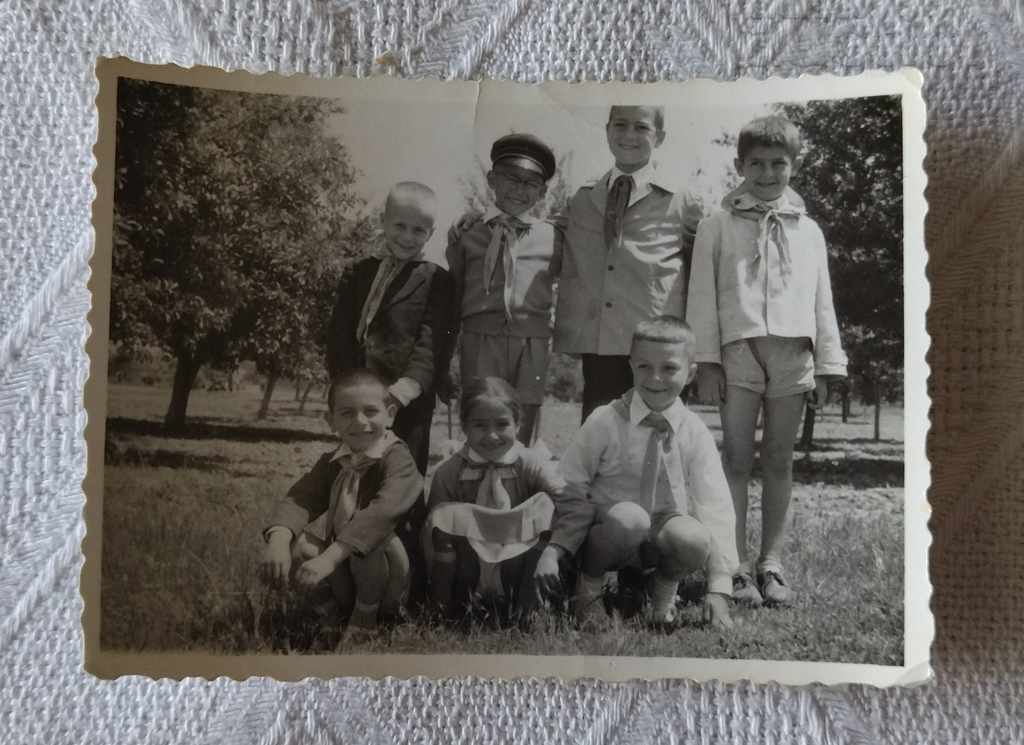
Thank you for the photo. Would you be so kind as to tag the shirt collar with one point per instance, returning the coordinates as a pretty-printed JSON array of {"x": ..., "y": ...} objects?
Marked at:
[
  {"x": 643, "y": 179},
  {"x": 492, "y": 212},
  {"x": 474, "y": 458},
  {"x": 673, "y": 414},
  {"x": 375, "y": 451}
]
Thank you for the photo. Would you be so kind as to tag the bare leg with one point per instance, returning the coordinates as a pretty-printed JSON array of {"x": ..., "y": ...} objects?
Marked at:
[
  {"x": 370, "y": 573},
  {"x": 781, "y": 422},
  {"x": 739, "y": 420}
]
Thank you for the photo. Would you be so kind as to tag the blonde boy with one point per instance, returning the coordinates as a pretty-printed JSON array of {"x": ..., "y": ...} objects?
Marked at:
[
  {"x": 392, "y": 316},
  {"x": 339, "y": 519},
  {"x": 645, "y": 480},
  {"x": 627, "y": 254},
  {"x": 760, "y": 303}
]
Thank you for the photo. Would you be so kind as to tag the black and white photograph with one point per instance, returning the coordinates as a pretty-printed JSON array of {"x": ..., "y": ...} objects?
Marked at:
[{"x": 402, "y": 377}]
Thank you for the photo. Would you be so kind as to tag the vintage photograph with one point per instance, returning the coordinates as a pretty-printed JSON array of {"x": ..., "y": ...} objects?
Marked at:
[{"x": 418, "y": 377}]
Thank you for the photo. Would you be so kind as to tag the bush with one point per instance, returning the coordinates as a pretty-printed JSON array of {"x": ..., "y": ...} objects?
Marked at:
[{"x": 565, "y": 378}]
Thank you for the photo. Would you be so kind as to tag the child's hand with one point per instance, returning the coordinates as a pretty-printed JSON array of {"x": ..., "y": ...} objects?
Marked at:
[
  {"x": 816, "y": 398},
  {"x": 276, "y": 561},
  {"x": 316, "y": 570},
  {"x": 546, "y": 577},
  {"x": 710, "y": 383},
  {"x": 716, "y": 611},
  {"x": 466, "y": 222}
]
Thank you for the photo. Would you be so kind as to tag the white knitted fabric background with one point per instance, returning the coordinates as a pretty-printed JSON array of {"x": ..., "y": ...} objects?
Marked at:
[{"x": 972, "y": 55}]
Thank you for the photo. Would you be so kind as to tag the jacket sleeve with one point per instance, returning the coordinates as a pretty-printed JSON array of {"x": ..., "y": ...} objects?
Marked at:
[
  {"x": 400, "y": 486},
  {"x": 692, "y": 212},
  {"x": 702, "y": 299},
  {"x": 455, "y": 254},
  {"x": 712, "y": 505},
  {"x": 574, "y": 511},
  {"x": 444, "y": 485},
  {"x": 441, "y": 303},
  {"x": 829, "y": 358},
  {"x": 341, "y": 335},
  {"x": 306, "y": 499}
]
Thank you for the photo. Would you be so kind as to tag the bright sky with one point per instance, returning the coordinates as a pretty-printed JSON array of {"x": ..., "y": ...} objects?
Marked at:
[{"x": 435, "y": 142}]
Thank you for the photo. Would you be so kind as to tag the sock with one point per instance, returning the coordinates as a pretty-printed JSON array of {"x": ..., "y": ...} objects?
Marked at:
[
  {"x": 663, "y": 595},
  {"x": 364, "y": 615}
]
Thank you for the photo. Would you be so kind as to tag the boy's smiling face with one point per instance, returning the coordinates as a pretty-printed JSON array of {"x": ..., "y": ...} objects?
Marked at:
[
  {"x": 516, "y": 189},
  {"x": 633, "y": 134},
  {"x": 361, "y": 414},
  {"x": 766, "y": 171},
  {"x": 661, "y": 369},
  {"x": 407, "y": 228}
]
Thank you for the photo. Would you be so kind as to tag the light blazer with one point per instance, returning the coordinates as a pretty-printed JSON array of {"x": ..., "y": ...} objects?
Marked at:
[{"x": 604, "y": 291}]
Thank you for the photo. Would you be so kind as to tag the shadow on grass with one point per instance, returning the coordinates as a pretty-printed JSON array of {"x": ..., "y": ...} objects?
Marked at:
[
  {"x": 199, "y": 428},
  {"x": 859, "y": 473}
]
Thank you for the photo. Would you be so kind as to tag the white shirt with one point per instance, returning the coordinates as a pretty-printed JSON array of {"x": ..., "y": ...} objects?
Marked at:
[{"x": 605, "y": 462}]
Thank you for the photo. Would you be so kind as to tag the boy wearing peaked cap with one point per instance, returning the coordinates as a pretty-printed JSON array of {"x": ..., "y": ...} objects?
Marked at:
[{"x": 503, "y": 267}]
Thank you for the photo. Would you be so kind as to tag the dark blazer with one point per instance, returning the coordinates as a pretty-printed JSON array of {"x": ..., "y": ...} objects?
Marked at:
[
  {"x": 411, "y": 334},
  {"x": 388, "y": 490}
]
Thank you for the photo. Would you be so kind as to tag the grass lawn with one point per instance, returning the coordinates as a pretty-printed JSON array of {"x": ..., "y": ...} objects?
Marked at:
[{"x": 183, "y": 515}]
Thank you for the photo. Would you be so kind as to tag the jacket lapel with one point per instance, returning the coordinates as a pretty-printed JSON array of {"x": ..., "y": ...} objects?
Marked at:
[
  {"x": 400, "y": 290},
  {"x": 599, "y": 192}
]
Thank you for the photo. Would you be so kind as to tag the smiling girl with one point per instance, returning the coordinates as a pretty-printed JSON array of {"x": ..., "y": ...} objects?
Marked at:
[{"x": 490, "y": 509}]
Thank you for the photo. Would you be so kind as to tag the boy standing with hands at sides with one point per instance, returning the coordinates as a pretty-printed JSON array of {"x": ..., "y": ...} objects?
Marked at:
[
  {"x": 503, "y": 266},
  {"x": 761, "y": 305},
  {"x": 339, "y": 519},
  {"x": 628, "y": 245},
  {"x": 392, "y": 316},
  {"x": 645, "y": 488}
]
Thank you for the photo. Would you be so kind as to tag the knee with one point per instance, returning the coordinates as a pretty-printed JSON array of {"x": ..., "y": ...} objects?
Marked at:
[
  {"x": 684, "y": 543},
  {"x": 777, "y": 458},
  {"x": 738, "y": 459},
  {"x": 627, "y": 524}
]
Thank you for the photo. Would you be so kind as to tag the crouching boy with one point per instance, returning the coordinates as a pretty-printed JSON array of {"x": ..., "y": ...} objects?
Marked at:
[
  {"x": 645, "y": 488},
  {"x": 339, "y": 519}
]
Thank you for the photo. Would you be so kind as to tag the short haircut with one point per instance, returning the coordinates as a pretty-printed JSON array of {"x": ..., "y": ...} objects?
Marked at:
[
  {"x": 351, "y": 378},
  {"x": 659, "y": 113},
  {"x": 476, "y": 389},
  {"x": 769, "y": 131},
  {"x": 412, "y": 193},
  {"x": 665, "y": 330}
]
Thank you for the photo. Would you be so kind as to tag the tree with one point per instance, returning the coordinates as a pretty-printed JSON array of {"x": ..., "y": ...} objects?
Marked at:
[
  {"x": 230, "y": 209},
  {"x": 852, "y": 182}
]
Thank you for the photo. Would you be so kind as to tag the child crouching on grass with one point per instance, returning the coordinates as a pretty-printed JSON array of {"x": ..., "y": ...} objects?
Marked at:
[
  {"x": 339, "y": 519},
  {"x": 490, "y": 509},
  {"x": 645, "y": 488}
]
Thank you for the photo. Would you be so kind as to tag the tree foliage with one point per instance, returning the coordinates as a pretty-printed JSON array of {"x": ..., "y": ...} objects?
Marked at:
[
  {"x": 852, "y": 182},
  {"x": 234, "y": 214}
]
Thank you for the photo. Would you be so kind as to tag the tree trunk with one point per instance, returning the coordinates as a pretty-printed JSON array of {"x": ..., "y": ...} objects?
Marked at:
[
  {"x": 268, "y": 393},
  {"x": 807, "y": 435},
  {"x": 305, "y": 395},
  {"x": 185, "y": 371},
  {"x": 231, "y": 381},
  {"x": 878, "y": 414},
  {"x": 298, "y": 389},
  {"x": 846, "y": 404}
]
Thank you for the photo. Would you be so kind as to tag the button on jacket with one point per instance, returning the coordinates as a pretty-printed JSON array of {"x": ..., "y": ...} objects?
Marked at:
[{"x": 605, "y": 291}]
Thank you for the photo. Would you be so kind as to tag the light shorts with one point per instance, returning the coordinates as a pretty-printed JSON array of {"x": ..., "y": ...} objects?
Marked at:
[
  {"x": 522, "y": 361},
  {"x": 774, "y": 366}
]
